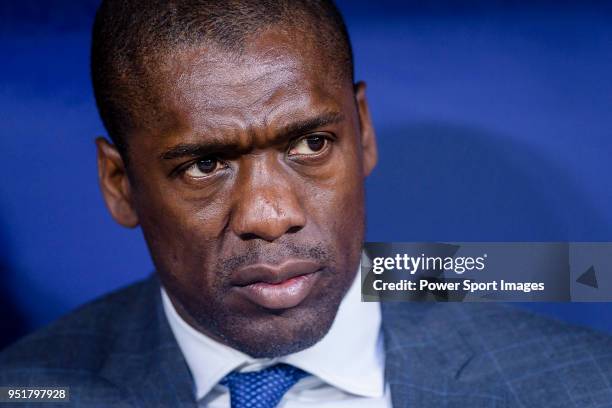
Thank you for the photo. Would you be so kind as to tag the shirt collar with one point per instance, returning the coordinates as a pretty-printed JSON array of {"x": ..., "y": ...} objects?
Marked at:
[{"x": 349, "y": 357}]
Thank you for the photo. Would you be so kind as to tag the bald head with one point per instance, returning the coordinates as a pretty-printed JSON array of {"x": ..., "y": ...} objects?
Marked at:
[{"x": 134, "y": 42}]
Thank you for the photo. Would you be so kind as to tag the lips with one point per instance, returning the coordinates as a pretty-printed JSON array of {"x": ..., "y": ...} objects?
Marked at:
[{"x": 277, "y": 287}]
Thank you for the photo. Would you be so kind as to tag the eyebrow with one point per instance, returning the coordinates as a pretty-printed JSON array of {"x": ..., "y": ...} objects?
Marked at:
[{"x": 288, "y": 132}]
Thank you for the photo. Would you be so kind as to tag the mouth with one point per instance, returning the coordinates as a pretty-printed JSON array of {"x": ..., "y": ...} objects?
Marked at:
[{"x": 277, "y": 287}]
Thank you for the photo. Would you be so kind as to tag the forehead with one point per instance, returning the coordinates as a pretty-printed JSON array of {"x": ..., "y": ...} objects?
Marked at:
[{"x": 274, "y": 79}]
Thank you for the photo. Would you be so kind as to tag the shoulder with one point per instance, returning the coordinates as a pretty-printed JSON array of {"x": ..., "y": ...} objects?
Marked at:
[
  {"x": 534, "y": 358},
  {"x": 542, "y": 361},
  {"x": 498, "y": 326},
  {"x": 490, "y": 326},
  {"x": 73, "y": 349}
]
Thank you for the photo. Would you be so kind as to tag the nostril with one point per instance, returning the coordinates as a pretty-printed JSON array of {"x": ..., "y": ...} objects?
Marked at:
[
  {"x": 249, "y": 236},
  {"x": 269, "y": 235},
  {"x": 294, "y": 229}
]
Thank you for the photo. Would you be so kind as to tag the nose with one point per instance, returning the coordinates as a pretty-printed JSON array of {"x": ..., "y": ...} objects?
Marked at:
[{"x": 266, "y": 205}]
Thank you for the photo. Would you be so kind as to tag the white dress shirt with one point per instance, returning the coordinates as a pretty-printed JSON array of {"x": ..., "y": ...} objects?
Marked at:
[{"x": 347, "y": 365}]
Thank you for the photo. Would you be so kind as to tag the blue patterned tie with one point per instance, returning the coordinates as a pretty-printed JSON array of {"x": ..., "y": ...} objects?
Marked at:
[{"x": 261, "y": 389}]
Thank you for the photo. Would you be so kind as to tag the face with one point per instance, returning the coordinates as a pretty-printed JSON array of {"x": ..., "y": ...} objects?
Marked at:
[{"x": 248, "y": 183}]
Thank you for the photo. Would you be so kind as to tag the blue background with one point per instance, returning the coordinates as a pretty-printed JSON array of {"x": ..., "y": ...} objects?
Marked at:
[{"x": 494, "y": 122}]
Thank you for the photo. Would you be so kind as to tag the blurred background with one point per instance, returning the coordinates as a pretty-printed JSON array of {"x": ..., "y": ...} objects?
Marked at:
[{"x": 494, "y": 120}]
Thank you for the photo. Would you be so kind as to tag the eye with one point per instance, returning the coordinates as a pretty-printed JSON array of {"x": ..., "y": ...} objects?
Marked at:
[
  {"x": 202, "y": 167},
  {"x": 309, "y": 145}
]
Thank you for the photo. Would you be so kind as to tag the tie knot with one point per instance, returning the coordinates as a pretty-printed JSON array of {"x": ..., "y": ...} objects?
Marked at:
[{"x": 261, "y": 389}]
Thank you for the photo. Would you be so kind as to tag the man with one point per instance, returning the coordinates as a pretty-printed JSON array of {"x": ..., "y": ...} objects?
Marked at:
[{"x": 240, "y": 147}]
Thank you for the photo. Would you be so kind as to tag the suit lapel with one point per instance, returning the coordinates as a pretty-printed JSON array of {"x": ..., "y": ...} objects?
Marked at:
[
  {"x": 146, "y": 359},
  {"x": 427, "y": 352}
]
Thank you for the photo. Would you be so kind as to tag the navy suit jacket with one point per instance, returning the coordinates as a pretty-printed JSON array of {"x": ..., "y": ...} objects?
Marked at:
[{"x": 119, "y": 351}]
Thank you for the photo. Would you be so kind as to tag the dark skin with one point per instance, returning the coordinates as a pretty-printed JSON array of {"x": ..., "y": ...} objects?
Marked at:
[{"x": 253, "y": 158}]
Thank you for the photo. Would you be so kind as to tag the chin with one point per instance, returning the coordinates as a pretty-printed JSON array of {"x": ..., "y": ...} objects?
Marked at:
[
  {"x": 264, "y": 333},
  {"x": 280, "y": 333}
]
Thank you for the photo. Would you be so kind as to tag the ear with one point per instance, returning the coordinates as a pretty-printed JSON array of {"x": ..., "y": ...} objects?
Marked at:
[
  {"x": 115, "y": 184},
  {"x": 368, "y": 136}
]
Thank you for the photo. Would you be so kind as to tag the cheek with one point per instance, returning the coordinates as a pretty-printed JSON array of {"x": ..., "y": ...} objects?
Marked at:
[
  {"x": 183, "y": 237},
  {"x": 336, "y": 204},
  {"x": 172, "y": 214}
]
